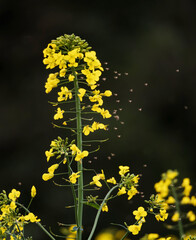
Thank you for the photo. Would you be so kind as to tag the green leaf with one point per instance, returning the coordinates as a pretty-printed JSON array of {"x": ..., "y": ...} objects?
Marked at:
[{"x": 91, "y": 204}]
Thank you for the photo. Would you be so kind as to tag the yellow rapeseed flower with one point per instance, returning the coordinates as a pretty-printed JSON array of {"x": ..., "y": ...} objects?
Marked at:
[
  {"x": 52, "y": 168},
  {"x": 33, "y": 191},
  {"x": 71, "y": 78},
  {"x": 105, "y": 113},
  {"x": 31, "y": 217},
  {"x": 87, "y": 129},
  {"x": 96, "y": 108},
  {"x": 73, "y": 177},
  {"x": 193, "y": 201},
  {"x": 170, "y": 200},
  {"x": 62, "y": 72},
  {"x": 112, "y": 180},
  {"x": 187, "y": 190},
  {"x": 175, "y": 217},
  {"x": 49, "y": 50},
  {"x": 81, "y": 94},
  {"x": 92, "y": 61},
  {"x": 131, "y": 192},
  {"x": 74, "y": 149},
  {"x": 80, "y": 155},
  {"x": 107, "y": 93},
  {"x": 185, "y": 182},
  {"x": 14, "y": 194},
  {"x": 139, "y": 213},
  {"x": 96, "y": 181},
  {"x": 105, "y": 208},
  {"x": 104, "y": 236},
  {"x": 52, "y": 82},
  {"x": 123, "y": 170},
  {"x": 121, "y": 191},
  {"x": 47, "y": 176},
  {"x": 191, "y": 216},
  {"x": 12, "y": 205},
  {"x": 185, "y": 200},
  {"x": 64, "y": 94},
  {"x": 49, "y": 154},
  {"x": 170, "y": 174},
  {"x": 162, "y": 216},
  {"x": 134, "y": 229},
  {"x": 152, "y": 236},
  {"x": 59, "y": 114}
]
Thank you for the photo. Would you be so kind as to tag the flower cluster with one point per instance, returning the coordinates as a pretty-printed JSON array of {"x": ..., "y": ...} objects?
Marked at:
[
  {"x": 12, "y": 222},
  {"x": 140, "y": 215},
  {"x": 60, "y": 147},
  {"x": 74, "y": 62},
  {"x": 156, "y": 207},
  {"x": 162, "y": 187},
  {"x": 176, "y": 196},
  {"x": 127, "y": 184}
]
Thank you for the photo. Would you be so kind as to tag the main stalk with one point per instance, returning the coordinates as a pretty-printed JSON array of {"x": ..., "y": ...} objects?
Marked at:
[
  {"x": 177, "y": 204},
  {"x": 79, "y": 163}
]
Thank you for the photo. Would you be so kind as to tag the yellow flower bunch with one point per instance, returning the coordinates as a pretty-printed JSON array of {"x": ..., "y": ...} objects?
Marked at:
[
  {"x": 157, "y": 207},
  {"x": 12, "y": 222},
  {"x": 127, "y": 184},
  {"x": 141, "y": 213},
  {"x": 176, "y": 195},
  {"x": 162, "y": 187},
  {"x": 85, "y": 65}
]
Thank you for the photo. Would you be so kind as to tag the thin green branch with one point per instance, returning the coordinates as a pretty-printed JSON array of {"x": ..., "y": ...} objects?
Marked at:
[
  {"x": 99, "y": 211},
  {"x": 38, "y": 223}
]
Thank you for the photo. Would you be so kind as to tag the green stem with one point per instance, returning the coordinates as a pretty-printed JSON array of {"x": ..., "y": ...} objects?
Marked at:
[
  {"x": 177, "y": 204},
  {"x": 73, "y": 192},
  {"x": 79, "y": 163},
  {"x": 39, "y": 224},
  {"x": 30, "y": 203},
  {"x": 126, "y": 234},
  {"x": 99, "y": 211}
]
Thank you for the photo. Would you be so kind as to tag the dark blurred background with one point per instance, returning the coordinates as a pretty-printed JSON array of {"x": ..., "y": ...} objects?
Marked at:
[{"x": 149, "y": 47}]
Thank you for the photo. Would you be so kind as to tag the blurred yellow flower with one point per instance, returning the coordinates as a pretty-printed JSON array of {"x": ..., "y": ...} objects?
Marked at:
[
  {"x": 152, "y": 236},
  {"x": 104, "y": 236},
  {"x": 191, "y": 216},
  {"x": 175, "y": 217}
]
